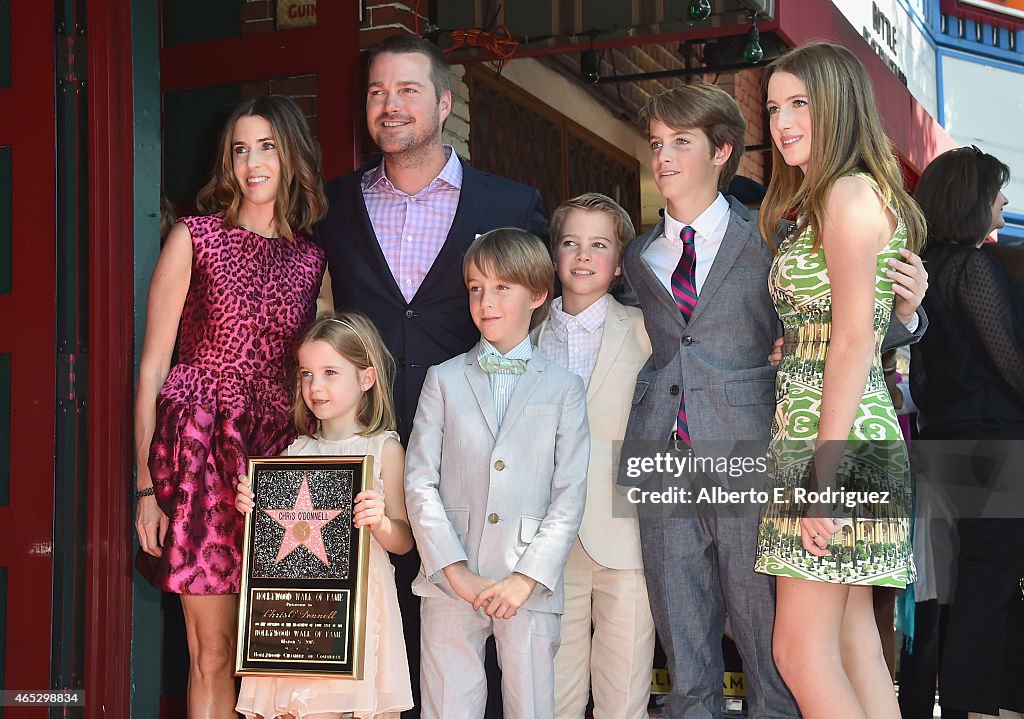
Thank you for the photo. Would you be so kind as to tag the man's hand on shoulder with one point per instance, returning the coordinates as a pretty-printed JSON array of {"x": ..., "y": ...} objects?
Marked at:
[{"x": 910, "y": 282}]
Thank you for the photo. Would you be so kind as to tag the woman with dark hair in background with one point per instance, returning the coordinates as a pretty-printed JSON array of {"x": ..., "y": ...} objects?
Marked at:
[{"x": 967, "y": 377}]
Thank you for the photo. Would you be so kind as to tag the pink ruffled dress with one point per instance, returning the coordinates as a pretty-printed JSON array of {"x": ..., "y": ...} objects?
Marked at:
[
  {"x": 249, "y": 298},
  {"x": 384, "y": 691}
]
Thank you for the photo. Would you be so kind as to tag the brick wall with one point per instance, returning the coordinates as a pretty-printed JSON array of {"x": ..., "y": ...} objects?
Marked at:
[
  {"x": 456, "y": 129},
  {"x": 257, "y": 16},
  {"x": 300, "y": 88},
  {"x": 745, "y": 87},
  {"x": 387, "y": 17}
]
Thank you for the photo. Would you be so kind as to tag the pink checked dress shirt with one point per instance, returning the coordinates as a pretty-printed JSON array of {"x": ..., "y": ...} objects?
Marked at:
[{"x": 412, "y": 228}]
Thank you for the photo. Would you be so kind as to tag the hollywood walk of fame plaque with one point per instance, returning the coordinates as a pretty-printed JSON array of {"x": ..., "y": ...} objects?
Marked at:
[{"x": 302, "y": 607}]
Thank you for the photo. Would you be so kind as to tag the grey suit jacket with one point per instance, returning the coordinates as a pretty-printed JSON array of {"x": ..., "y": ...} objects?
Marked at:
[
  {"x": 504, "y": 499},
  {"x": 720, "y": 357}
]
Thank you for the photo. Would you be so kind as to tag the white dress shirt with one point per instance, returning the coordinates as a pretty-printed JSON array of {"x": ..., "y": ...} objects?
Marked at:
[{"x": 662, "y": 255}]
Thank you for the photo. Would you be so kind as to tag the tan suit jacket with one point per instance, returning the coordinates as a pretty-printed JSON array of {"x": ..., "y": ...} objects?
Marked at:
[{"x": 609, "y": 531}]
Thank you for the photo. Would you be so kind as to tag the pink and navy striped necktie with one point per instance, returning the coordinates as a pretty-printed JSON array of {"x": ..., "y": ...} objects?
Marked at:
[{"x": 684, "y": 290}]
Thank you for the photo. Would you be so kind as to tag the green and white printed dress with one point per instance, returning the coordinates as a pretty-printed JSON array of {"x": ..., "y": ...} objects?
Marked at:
[{"x": 873, "y": 546}]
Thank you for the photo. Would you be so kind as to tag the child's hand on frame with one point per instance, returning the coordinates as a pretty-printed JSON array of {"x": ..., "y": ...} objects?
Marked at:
[
  {"x": 369, "y": 509},
  {"x": 245, "y": 500},
  {"x": 503, "y": 599}
]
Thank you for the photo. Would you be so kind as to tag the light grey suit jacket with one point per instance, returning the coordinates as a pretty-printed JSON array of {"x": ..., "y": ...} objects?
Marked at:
[
  {"x": 504, "y": 499},
  {"x": 720, "y": 357}
]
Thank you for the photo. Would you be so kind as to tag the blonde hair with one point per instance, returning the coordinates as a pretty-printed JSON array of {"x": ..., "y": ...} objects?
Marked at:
[
  {"x": 355, "y": 338},
  {"x": 301, "y": 201},
  {"x": 515, "y": 256},
  {"x": 846, "y": 137},
  {"x": 707, "y": 107},
  {"x": 594, "y": 202}
]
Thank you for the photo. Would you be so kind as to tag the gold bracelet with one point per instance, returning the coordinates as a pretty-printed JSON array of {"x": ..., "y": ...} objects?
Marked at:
[{"x": 147, "y": 492}]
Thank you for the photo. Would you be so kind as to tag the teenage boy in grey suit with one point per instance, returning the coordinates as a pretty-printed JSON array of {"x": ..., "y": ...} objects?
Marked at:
[{"x": 709, "y": 380}]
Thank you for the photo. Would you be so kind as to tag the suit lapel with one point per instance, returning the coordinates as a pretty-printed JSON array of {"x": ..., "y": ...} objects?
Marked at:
[
  {"x": 614, "y": 334},
  {"x": 469, "y": 215},
  {"x": 647, "y": 276},
  {"x": 526, "y": 385},
  {"x": 736, "y": 233},
  {"x": 370, "y": 245},
  {"x": 478, "y": 382}
]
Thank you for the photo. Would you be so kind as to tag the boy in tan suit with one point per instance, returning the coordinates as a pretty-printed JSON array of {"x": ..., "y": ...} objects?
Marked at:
[
  {"x": 496, "y": 481},
  {"x": 607, "y": 628}
]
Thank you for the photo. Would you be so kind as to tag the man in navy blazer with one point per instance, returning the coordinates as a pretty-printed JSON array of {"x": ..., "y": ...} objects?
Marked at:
[
  {"x": 418, "y": 304},
  {"x": 395, "y": 235}
]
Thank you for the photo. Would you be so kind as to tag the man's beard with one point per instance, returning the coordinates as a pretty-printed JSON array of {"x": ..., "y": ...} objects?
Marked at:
[{"x": 410, "y": 148}]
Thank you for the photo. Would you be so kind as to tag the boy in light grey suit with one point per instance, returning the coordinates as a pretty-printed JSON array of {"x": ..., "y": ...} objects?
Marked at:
[
  {"x": 495, "y": 487},
  {"x": 712, "y": 325}
]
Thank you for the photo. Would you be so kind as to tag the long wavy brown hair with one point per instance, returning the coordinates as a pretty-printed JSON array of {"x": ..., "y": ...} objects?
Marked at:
[
  {"x": 301, "y": 202},
  {"x": 846, "y": 137}
]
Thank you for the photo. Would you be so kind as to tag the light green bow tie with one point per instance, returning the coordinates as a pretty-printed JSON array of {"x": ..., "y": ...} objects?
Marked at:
[{"x": 491, "y": 363}]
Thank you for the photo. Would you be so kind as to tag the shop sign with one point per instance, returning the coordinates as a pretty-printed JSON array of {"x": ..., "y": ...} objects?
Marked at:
[
  {"x": 888, "y": 28},
  {"x": 295, "y": 13}
]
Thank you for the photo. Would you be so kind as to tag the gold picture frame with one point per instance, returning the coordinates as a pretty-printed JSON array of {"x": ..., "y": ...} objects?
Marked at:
[{"x": 302, "y": 605}]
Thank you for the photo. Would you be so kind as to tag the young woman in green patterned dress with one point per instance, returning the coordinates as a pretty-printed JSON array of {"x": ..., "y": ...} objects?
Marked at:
[{"x": 834, "y": 428}]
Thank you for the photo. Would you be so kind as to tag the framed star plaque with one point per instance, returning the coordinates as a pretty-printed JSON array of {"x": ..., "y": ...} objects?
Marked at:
[{"x": 302, "y": 608}]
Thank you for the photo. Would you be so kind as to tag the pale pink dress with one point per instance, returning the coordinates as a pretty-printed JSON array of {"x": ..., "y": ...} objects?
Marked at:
[{"x": 384, "y": 690}]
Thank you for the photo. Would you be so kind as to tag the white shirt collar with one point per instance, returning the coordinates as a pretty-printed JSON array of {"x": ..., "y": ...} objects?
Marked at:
[
  {"x": 704, "y": 224},
  {"x": 523, "y": 350},
  {"x": 451, "y": 175}
]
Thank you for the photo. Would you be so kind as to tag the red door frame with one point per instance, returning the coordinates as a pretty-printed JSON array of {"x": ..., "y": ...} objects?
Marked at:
[
  {"x": 27, "y": 333},
  {"x": 111, "y": 293},
  {"x": 330, "y": 49}
]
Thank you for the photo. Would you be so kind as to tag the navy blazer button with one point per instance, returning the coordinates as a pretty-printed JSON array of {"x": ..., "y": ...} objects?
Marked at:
[
  {"x": 674, "y": 389},
  {"x": 409, "y": 314},
  {"x": 493, "y": 518},
  {"x": 401, "y": 362},
  {"x": 687, "y": 340}
]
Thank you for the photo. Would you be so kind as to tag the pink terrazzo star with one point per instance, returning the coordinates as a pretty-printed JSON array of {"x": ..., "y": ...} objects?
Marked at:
[{"x": 303, "y": 525}]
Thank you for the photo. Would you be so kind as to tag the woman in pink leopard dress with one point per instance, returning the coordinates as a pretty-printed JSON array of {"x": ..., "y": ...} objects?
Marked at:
[{"x": 235, "y": 288}]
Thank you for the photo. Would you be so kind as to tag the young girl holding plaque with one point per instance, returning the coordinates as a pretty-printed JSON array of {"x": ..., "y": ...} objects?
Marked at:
[{"x": 344, "y": 381}]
